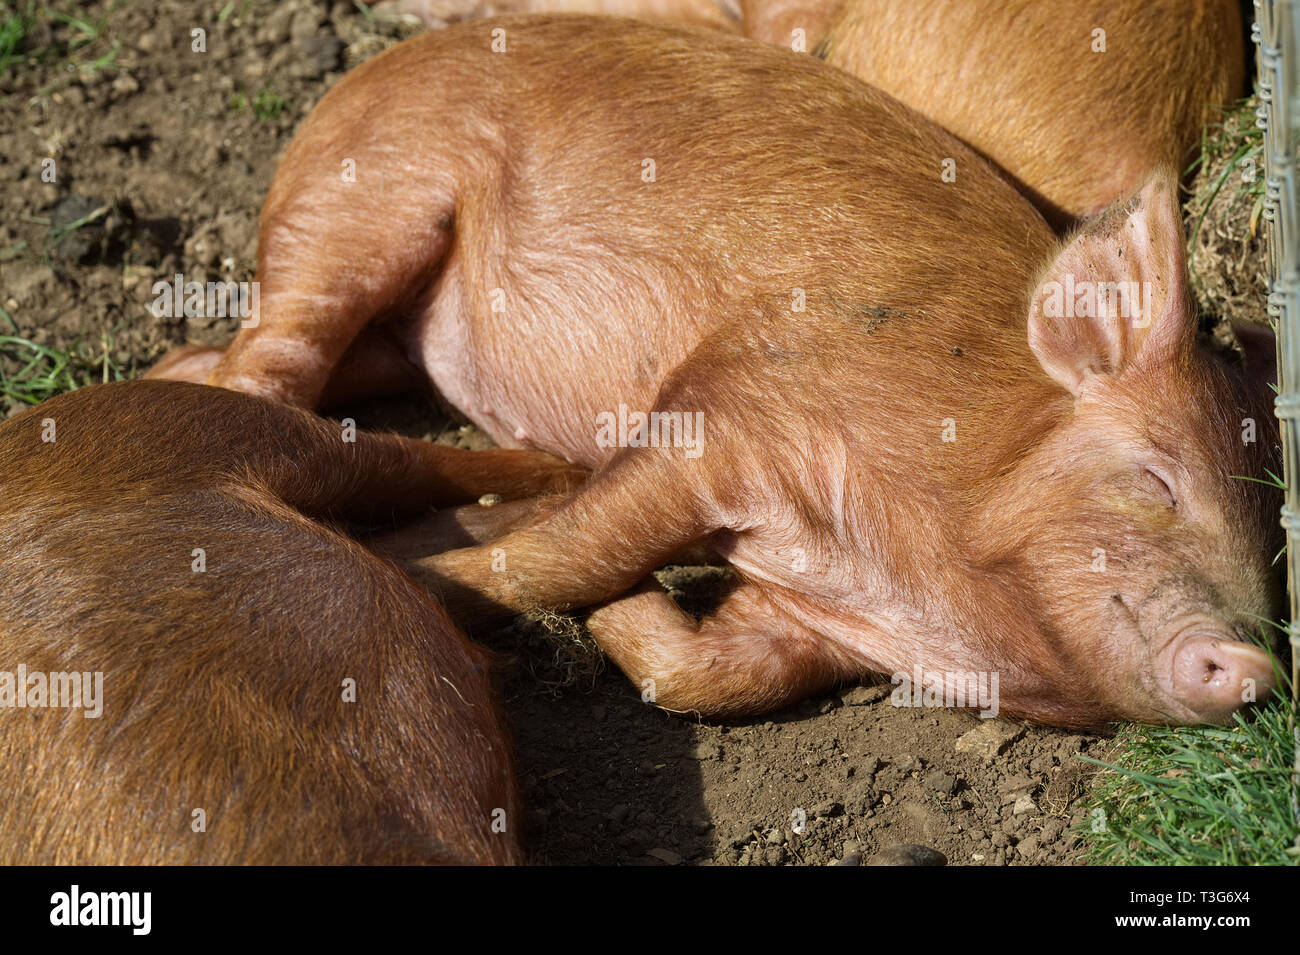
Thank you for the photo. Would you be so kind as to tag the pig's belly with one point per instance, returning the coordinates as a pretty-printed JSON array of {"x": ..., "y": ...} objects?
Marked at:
[{"x": 531, "y": 378}]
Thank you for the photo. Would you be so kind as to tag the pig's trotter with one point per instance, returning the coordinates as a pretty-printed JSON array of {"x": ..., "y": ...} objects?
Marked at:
[{"x": 747, "y": 657}]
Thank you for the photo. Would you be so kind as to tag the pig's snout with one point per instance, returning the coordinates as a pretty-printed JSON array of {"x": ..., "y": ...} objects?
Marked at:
[{"x": 1213, "y": 675}]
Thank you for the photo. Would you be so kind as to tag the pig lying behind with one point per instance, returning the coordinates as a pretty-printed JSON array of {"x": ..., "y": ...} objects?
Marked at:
[
  {"x": 719, "y": 14},
  {"x": 893, "y": 402},
  {"x": 271, "y": 692},
  {"x": 1076, "y": 99}
]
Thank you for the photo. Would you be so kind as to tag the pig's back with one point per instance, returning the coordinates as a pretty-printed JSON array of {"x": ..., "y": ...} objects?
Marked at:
[{"x": 620, "y": 190}]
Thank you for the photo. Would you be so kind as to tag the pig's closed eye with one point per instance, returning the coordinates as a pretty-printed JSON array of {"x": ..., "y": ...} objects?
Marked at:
[{"x": 1160, "y": 485}]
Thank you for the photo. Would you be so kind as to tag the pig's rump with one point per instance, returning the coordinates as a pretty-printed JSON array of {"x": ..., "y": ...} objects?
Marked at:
[
  {"x": 271, "y": 692},
  {"x": 556, "y": 227}
]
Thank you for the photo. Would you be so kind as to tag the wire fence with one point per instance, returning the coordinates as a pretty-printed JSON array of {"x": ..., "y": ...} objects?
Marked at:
[{"x": 1277, "y": 36}]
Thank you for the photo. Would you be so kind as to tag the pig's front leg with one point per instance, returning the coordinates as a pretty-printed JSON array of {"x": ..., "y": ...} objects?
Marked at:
[
  {"x": 633, "y": 516},
  {"x": 746, "y": 657}
]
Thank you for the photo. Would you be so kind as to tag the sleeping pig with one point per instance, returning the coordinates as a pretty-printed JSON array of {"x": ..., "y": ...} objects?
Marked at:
[
  {"x": 199, "y": 666},
  {"x": 789, "y": 318}
]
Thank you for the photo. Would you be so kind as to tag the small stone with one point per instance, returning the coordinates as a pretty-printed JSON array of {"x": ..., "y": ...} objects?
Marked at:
[
  {"x": 490, "y": 500},
  {"x": 940, "y": 782},
  {"x": 775, "y": 837},
  {"x": 1024, "y": 804},
  {"x": 125, "y": 85},
  {"x": 908, "y": 854},
  {"x": 989, "y": 739}
]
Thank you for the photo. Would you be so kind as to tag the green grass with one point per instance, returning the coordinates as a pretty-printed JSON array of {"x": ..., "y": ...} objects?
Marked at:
[
  {"x": 31, "y": 373},
  {"x": 265, "y": 105},
  {"x": 1199, "y": 795},
  {"x": 74, "y": 34},
  {"x": 15, "y": 23}
]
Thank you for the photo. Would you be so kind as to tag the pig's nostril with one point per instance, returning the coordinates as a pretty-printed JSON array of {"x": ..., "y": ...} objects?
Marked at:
[{"x": 1214, "y": 675}]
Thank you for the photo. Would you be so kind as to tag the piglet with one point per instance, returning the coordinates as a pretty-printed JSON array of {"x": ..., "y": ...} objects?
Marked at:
[
  {"x": 752, "y": 291},
  {"x": 197, "y": 663}
]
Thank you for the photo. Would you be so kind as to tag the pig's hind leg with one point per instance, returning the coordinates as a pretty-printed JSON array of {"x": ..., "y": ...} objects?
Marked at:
[
  {"x": 746, "y": 657},
  {"x": 340, "y": 264}
]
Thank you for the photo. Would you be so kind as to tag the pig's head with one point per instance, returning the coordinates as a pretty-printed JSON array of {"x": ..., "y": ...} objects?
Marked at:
[{"x": 1142, "y": 529}]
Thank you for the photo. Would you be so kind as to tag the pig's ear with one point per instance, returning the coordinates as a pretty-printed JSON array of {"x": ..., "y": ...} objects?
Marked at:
[
  {"x": 1260, "y": 346},
  {"x": 1116, "y": 295}
]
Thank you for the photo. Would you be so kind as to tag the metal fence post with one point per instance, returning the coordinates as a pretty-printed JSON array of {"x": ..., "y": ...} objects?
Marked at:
[{"x": 1277, "y": 36}]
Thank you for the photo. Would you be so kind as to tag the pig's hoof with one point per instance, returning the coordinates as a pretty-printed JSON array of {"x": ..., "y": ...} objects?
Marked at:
[{"x": 908, "y": 854}]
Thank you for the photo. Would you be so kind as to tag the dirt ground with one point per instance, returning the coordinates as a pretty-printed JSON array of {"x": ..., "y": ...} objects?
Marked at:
[{"x": 166, "y": 153}]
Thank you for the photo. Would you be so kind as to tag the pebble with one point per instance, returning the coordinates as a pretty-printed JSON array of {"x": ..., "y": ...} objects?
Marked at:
[
  {"x": 989, "y": 739},
  {"x": 125, "y": 84},
  {"x": 940, "y": 782}
]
